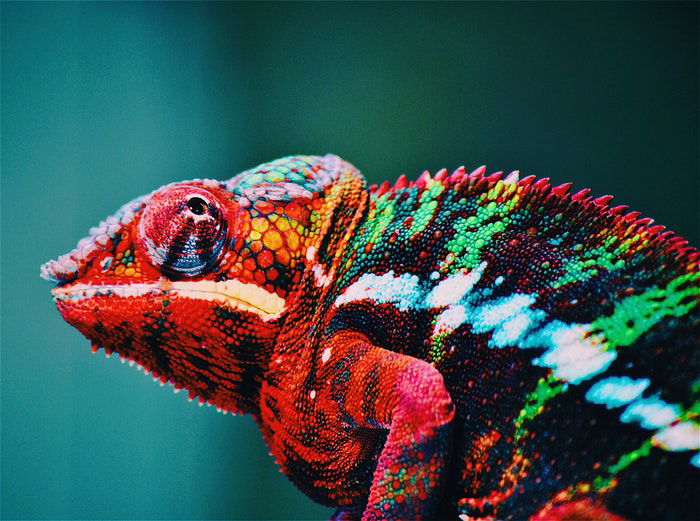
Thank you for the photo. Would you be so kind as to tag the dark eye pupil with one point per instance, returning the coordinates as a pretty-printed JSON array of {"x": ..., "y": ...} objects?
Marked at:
[{"x": 197, "y": 206}]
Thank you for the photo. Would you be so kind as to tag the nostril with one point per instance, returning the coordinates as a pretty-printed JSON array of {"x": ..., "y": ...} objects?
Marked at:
[{"x": 106, "y": 263}]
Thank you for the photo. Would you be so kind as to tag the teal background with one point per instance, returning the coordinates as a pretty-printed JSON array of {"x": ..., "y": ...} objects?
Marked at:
[{"x": 102, "y": 102}]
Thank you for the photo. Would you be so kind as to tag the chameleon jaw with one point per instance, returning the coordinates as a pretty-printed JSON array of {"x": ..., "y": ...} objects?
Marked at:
[{"x": 233, "y": 294}]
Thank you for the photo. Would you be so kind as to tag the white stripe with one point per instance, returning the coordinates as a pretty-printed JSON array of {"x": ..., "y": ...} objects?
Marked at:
[
  {"x": 681, "y": 436},
  {"x": 617, "y": 391},
  {"x": 403, "y": 291},
  {"x": 231, "y": 293},
  {"x": 454, "y": 288}
]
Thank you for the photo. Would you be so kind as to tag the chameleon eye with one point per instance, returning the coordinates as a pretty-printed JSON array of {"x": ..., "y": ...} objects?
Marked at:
[
  {"x": 197, "y": 205},
  {"x": 183, "y": 230}
]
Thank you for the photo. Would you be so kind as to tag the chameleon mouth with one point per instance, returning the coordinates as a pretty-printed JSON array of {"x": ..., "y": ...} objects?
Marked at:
[{"x": 231, "y": 293}]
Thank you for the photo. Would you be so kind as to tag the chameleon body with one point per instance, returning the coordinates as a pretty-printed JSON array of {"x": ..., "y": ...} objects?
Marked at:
[{"x": 463, "y": 346}]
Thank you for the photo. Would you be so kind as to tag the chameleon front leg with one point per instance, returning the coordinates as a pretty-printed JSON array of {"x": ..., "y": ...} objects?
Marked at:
[{"x": 408, "y": 397}]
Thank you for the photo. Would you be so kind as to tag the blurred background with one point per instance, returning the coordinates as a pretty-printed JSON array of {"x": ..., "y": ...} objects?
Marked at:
[{"x": 102, "y": 102}]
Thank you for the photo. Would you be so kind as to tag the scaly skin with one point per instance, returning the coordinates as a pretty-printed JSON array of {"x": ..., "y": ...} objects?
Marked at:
[{"x": 460, "y": 346}]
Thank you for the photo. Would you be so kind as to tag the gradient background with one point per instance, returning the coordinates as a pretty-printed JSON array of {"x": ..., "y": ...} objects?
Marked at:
[{"x": 102, "y": 102}]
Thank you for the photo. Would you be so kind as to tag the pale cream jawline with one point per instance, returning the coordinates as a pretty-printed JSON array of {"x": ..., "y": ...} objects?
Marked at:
[{"x": 236, "y": 294}]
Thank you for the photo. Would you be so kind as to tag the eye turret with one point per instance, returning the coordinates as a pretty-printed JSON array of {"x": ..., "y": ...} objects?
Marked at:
[{"x": 183, "y": 230}]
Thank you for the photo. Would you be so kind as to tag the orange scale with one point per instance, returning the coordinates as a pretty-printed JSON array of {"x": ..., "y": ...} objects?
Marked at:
[
  {"x": 272, "y": 274},
  {"x": 260, "y": 224},
  {"x": 256, "y": 246},
  {"x": 249, "y": 264},
  {"x": 283, "y": 224},
  {"x": 264, "y": 207},
  {"x": 259, "y": 277},
  {"x": 273, "y": 240},
  {"x": 124, "y": 244},
  {"x": 283, "y": 257},
  {"x": 265, "y": 259},
  {"x": 238, "y": 242},
  {"x": 293, "y": 210},
  {"x": 292, "y": 239}
]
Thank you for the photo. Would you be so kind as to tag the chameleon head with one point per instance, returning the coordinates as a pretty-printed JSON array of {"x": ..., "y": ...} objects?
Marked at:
[{"x": 192, "y": 281}]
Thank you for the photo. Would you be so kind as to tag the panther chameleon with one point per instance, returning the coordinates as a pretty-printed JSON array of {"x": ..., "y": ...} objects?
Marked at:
[{"x": 463, "y": 346}]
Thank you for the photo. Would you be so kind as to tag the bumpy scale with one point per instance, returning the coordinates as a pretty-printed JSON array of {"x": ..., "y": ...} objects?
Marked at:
[{"x": 459, "y": 347}]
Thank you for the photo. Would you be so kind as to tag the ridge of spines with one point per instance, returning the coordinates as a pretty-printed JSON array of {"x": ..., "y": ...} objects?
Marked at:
[
  {"x": 162, "y": 380},
  {"x": 478, "y": 180}
]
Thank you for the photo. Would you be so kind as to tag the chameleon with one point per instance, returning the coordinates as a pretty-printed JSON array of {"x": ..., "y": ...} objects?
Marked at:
[{"x": 462, "y": 346}]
